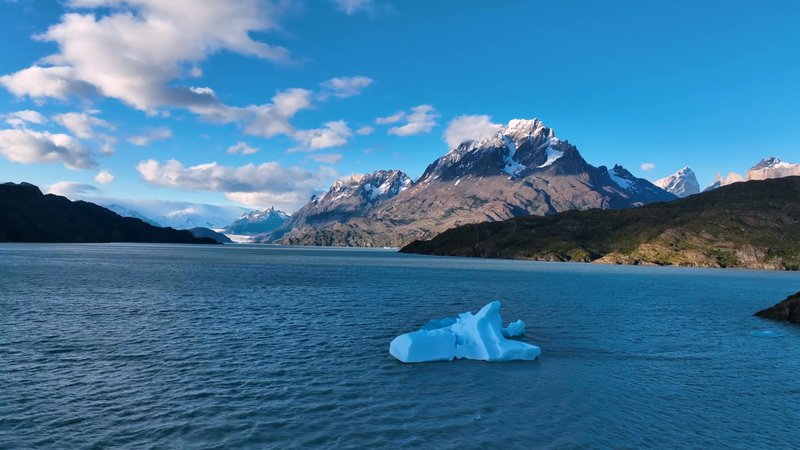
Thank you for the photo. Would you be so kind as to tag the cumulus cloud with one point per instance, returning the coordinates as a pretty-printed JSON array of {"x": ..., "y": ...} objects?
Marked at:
[
  {"x": 245, "y": 183},
  {"x": 332, "y": 134},
  {"x": 646, "y": 166},
  {"x": 69, "y": 188},
  {"x": 420, "y": 119},
  {"x": 21, "y": 118},
  {"x": 469, "y": 128},
  {"x": 343, "y": 87},
  {"x": 82, "y": 124},
  {"x": 328, "y": 158},
  {"x": 288, "y": 201},
  {"x": 104, "y": 177},
  {"x": 132, "y": 50},
  {"x": 38, "y": 82},
  {"x": 154, "y": 134},
  {"x": 364, "y": 131},
  {"x": 242, "y": 148},
  {"x": 28, "y": 146},
  {"x": 394, "y": 118}
]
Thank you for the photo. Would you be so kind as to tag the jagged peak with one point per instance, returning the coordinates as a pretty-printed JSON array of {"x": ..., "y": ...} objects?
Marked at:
[{"x": 769, "y": 163}]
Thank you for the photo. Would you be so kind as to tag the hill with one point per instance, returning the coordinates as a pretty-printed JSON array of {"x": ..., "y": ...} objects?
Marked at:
[
  {"x": 753, "y": 225},
  {"x": 27, "y": 215}
]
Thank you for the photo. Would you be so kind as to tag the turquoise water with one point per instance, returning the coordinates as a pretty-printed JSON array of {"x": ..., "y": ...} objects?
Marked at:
[{"x": 145, "y": 346}]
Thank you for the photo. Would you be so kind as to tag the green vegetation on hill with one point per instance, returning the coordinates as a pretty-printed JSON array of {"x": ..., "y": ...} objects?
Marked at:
[
  {"x": 752, "y": 225},
  {"x": 26, "y": 215}
]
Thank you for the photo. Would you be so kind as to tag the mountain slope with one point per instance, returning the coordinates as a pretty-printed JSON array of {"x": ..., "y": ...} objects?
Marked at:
[
  {"x": 258, "y": 222},
  {"x": 772, "y": 168},
  {"x": 682, "y": 183},
  {"x": 26, "y": 215},
  {"x": 753, "y": 224},
  {"x": 522, "y": 170},
  {"x": 219, "y": 238},
  {"x": 127, "y": 212}
]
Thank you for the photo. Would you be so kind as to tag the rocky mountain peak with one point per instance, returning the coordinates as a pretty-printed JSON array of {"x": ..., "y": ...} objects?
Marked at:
[
  {"x": 768, "y": 163},
  {"x": 682, "y": 183},
  {"x": 379, "y": 185},
  {"x": 517, "y": 149}
]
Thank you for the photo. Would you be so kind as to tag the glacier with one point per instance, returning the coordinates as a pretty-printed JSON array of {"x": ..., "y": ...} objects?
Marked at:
[{"x": 479, "y": 336}]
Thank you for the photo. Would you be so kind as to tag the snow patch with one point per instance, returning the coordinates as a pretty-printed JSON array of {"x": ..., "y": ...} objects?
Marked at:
[
  {"x": 624, "y": 183},
  {"x": 552, "y": 156},
  {"x": 511, "y": 167}
]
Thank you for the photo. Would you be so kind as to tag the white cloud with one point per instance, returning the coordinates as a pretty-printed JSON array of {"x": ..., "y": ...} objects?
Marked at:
[
  {"x": 421, "y": 119},
  {"x": 242, "y": 148},
  {"x": 289, "y": 201},
  {"x": 21, "y": 118},
  {"x": 69, "y": 188},
  {"x": 469, "y": 128},
  {"x": 268, "y": 180},
  {"x": 394, "y": 118},
  {"x": 344, "y": 87},
  {"x": 27, "y": 147},
  {"x": 332, "y": 134},
  {"x": 646, "y": 167},
  {"x": 133, "y": 50},
  {"x": 82, "y": 124},
  {"x": 353, "y": 7},
  {"x": 104, "y": 177},
  {"x": 155, "y": 134},
  {"x": 39, "y": 82},
  {"x": 364, "y": 131},
  {"x": 328, "y": 158}
]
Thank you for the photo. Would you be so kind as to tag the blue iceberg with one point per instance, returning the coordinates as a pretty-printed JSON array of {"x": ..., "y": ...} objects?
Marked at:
[{"x": 480, "y": 336}]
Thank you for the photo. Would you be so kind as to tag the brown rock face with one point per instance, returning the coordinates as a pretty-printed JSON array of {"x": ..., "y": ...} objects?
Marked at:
[{"x": 787, "y": 310}]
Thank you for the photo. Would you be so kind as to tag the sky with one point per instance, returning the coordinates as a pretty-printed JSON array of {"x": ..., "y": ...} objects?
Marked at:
[{"x": 260, "y": 103}]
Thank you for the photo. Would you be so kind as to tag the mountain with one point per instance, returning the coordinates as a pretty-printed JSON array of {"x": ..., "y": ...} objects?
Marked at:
[
  {"x": 27, "y": 215},
  {"x": 682, "y": 183},
  {"x": 220, "y": 238},
  {"x": 521, "y": 170},
  {"x": 126, "y": 212},
  {"x": 258, "y": 222},
  {"x": 187, "y": 219},
  {"x": 348, "y": 198},
  {"x": 644, "y": 190},
  {"x": 718, "y": 182},
  {"x": 772, "y": 168},
  {"x": 765, "y": 169},
  {"x": 753, "y": 224}
]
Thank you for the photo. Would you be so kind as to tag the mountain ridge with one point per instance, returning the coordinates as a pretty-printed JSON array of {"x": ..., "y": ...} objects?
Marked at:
[
  {"x": 28, "y": 215},
  {"x": 749, "y": 225},
  {"x": 523, "y": 169}
]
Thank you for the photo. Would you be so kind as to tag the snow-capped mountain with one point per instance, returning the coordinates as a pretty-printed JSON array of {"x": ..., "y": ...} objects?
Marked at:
[
  {"x": 641, "y": 188},
  {"x": 347, "y": 198},
  {"x": 772, "y": 168},
  {"x": 189, "y": 218},
  {"x": 523, "y": 169},
  {"x": 127, "y": 212},
  {"x": 682, "y": 183},
  {"x": 767, "y": 168},
  {"x": 258, "y": 222}
]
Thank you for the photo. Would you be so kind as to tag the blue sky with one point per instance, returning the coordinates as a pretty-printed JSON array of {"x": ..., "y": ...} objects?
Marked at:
[{"x": 136, "y": 99}]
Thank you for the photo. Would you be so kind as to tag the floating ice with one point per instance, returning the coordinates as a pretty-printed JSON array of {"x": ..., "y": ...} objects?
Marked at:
[
  {"x": 514, "y": 329},
  {"x": 479, "y": 336}
]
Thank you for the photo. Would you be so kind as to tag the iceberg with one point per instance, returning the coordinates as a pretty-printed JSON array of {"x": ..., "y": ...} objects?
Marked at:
[{"x": 478, "y": 336}]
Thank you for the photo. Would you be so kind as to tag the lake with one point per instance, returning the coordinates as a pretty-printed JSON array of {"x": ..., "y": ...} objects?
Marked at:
[{"x": 250, "y": 346}]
